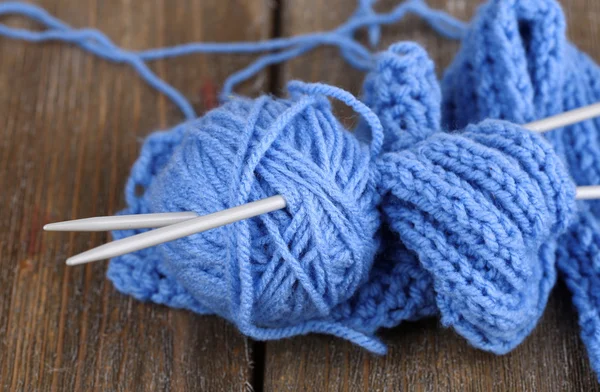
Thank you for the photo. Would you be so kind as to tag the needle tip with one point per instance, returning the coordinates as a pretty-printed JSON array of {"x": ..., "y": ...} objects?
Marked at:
[
  {"x": 56, "y": 226},
  {"x": 75, "y": 260}
]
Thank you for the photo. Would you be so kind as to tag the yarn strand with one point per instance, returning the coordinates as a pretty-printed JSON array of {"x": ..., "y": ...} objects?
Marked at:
[{"x": 278, "y": 49}]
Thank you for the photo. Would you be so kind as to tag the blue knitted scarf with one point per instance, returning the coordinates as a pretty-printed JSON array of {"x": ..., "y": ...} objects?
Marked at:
[{"x": 517, "y": 64}]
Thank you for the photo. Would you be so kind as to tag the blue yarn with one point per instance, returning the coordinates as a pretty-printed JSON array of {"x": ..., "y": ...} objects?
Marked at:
[
  {"x": 404, "y": 93},
  {"x": 469, "y": 219},
  {"x": 284, "y": 49},
  {"x": 282, "y": 273},
  {"x": 439, "y": 252},
  {"x": 479, "y": 209},
  {"x": 517, "y": 64},
  {"x": 400, "y": 223},
  {"x": 365, "y": 8}
]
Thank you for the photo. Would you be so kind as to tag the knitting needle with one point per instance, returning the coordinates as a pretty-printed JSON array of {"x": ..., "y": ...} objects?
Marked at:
[
  {"x": 179, "y": 230},
  {"x": 194, "y": 225},
  {"x": 122, "y": 222},
  {"x": 158, "y": 220},
  {"x": 564, "y": 119},
  {"x": 200, "y": 224},
  {"x": 591, "y": 192},
  {"x": 146, "y": 221}
]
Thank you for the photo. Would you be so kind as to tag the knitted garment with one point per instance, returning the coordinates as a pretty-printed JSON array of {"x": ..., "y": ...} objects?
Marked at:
[
  {"x": 403, "y": 92},
  {"x": 517, "y": 64},
  {"x": 478, "y": 237}
]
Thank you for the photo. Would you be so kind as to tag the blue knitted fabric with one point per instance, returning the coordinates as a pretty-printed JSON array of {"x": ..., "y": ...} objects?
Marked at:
[
  {"x": 517, "y": 64},
  {"x": 403, "y": 92}
]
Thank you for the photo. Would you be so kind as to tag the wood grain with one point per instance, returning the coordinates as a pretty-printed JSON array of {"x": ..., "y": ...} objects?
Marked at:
[
  {"x": 423, "y": 356},
  {"x": 70, "y": 128}
]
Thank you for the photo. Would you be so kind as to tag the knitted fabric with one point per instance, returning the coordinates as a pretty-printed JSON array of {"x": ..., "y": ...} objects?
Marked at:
[
  {"x": 517, "y": 64},
  {"x": 402, "y": 90},
  {"x": 479, "y": 234}
]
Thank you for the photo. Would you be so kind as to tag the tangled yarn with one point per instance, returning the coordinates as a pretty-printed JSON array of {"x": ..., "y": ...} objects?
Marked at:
[
  {"x": 276, "y": 50},
  {"x": 398, "y": 222},
  {"x": 517, "y": 64}
]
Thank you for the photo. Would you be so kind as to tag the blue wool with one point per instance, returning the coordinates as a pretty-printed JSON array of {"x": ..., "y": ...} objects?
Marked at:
[
  {"x": 479, "y": 208},
  {"x": 281, "y": 273},
  {"x": 472, "y": 214},
  {"x": 480, "y": 263},
  {"x": 492, "y": 288},
  {"x": 517, "y": 64},
  {"x": 399, "y": 223},
  {"x": 404, "y": 93},
  {"x": 278, "y": 50}
]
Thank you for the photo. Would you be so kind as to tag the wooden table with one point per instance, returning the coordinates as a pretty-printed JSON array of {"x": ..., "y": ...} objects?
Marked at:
[{"x": 70, "y": 127}]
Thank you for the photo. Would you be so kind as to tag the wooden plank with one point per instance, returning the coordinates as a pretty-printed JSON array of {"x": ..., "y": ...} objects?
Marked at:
[
  {"x": 70, "y": 126},
  {"x": 423, "y": 356}
]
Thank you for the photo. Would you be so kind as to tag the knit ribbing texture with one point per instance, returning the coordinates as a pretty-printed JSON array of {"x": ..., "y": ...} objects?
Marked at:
[{"x": 516, "y": 63}]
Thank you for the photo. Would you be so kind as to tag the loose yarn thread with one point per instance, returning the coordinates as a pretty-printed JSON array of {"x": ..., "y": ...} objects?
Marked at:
[
  {"x": 465, "y": 224},
  {"x": 278, "y": 50}
]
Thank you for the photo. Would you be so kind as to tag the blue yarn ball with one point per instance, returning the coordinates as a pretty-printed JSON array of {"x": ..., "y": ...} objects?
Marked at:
[{"x": 286, "y": 267}]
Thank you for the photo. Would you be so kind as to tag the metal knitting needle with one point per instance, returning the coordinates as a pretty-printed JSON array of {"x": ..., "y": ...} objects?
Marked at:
[
  {"x": 591, "y": 192},
  {"x": 192, "y": 225},
  {"x": 179, "y": 230},
  {"x": 564, "y": 119},
  {"x": 122, "y": 222}
]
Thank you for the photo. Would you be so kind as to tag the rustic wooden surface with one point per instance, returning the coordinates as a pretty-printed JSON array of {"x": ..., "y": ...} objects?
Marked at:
[{"x": 70, "y": 126}]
